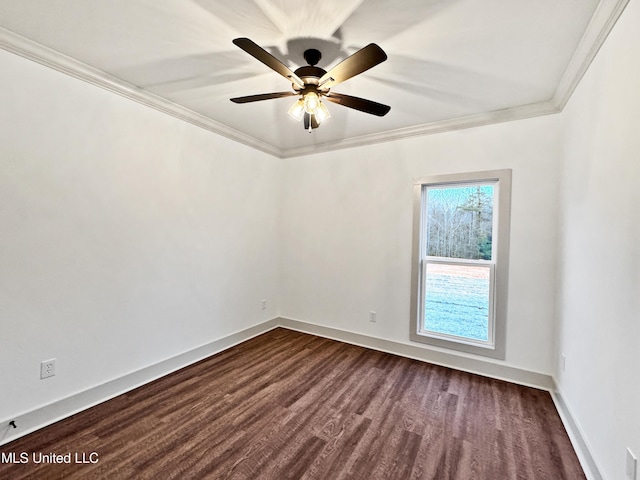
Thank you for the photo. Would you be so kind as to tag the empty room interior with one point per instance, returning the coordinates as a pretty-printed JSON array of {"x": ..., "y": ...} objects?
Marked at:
[{"x": 193, "y": 287}]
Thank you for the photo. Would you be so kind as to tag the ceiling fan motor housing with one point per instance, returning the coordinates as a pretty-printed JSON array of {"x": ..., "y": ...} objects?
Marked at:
[
  {"x": 312, "y": 56},
  {"x": 310, "y": 75}
]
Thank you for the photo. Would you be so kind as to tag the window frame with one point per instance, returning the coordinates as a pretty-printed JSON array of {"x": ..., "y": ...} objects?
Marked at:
[{"x": 494, "y": 347}]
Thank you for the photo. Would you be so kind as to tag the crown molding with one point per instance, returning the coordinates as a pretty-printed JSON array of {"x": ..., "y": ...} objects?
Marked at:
[
  {"x": 605, "y": 17},
  {"x": 601, "y": 24},
  {"x": 458, "y": 123},
  {"x": 19, "y": 45}
]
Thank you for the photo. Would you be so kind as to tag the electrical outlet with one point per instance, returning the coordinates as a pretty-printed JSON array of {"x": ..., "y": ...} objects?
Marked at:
[
  {"x": 48, "y": 368},
  {"x": 372, "y": 317},
  {"x": 264, "y": 304},
  {"x": 632, "y": 465},
  {"x": 563, "y": 362}
]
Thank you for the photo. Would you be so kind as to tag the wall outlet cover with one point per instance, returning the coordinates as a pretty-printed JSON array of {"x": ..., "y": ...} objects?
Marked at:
[{"x": 47, "y": 368}]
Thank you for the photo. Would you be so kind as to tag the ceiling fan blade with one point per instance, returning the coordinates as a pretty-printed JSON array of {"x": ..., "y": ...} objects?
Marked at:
[
  {"x": 263, "y": 96},
  {"x": 359, "y": 62},
  {"x": 269, "y": 60},
  {"x": 367, "y": 106}
]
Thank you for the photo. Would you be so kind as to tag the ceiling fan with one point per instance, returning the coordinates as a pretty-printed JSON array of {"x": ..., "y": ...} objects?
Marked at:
[{"x": 312, "y": 84}]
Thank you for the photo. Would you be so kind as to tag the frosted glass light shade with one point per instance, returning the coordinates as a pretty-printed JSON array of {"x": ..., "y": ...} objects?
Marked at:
[
  {"x": 297, "y": 110},
  {"x": 311, "y": 103},
  {"x": 322, "y": 113}
]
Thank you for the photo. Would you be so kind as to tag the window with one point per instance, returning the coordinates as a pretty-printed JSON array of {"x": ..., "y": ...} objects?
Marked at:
[{"x": 460, "y": 261}]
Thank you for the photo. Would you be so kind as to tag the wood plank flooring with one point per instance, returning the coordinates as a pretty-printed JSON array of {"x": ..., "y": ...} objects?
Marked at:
[{"x": 287, "y": 405}]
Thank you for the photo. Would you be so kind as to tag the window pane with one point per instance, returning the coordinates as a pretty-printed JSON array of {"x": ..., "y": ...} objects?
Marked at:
[
  {"x": 460, "y": 221},
  {"x": 457, "y": 300}
]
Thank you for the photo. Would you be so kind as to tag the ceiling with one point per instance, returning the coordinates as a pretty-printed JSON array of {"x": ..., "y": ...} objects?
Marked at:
[{"x": 451, "y": 63}]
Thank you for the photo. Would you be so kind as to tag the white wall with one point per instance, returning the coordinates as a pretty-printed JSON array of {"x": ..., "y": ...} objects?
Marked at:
[
  {"x": 599, "y": 259},
  {"x": 347, "y": 223},
  {"x": 127, "y": 236}
]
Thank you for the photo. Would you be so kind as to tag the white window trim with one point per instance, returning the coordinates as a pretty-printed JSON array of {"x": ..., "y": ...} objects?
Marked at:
[{"x": 495, "y": 346}]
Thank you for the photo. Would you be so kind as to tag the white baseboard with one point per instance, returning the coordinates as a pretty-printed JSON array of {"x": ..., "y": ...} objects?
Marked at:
[
  {"x": 578, "y": 439},
  {"x": 56, "y": 411},
  {"x": 477, "y": 366},
  {"x": 426, "y": 354},
  {"x": 51, "y": 413}
]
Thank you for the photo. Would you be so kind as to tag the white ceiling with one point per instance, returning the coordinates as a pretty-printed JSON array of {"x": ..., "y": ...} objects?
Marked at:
[{"x": 451, "y": 63}]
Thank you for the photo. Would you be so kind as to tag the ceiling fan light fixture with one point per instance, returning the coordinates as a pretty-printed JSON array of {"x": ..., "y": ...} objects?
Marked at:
[
  {"x": 322, "y": 113},
  {"x": 297, "y": 110},
  {"x": 311, "y": 103}
]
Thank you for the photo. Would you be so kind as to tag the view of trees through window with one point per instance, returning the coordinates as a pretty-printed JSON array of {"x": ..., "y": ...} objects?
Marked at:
[
  {"x": 458, "y": 230},
  {"x": 460, "y": 220}
]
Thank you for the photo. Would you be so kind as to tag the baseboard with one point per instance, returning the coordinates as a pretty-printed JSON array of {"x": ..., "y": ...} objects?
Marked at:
[
  {"x": 426, "y": 354},
  {"x": 578, "y": 440},
  {"x": 41, "y": 417},
  {"x": 477, "y": 366}
]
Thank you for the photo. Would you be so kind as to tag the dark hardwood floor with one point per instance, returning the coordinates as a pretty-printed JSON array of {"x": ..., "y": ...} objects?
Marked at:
[{"x": 287, "y": 405}]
